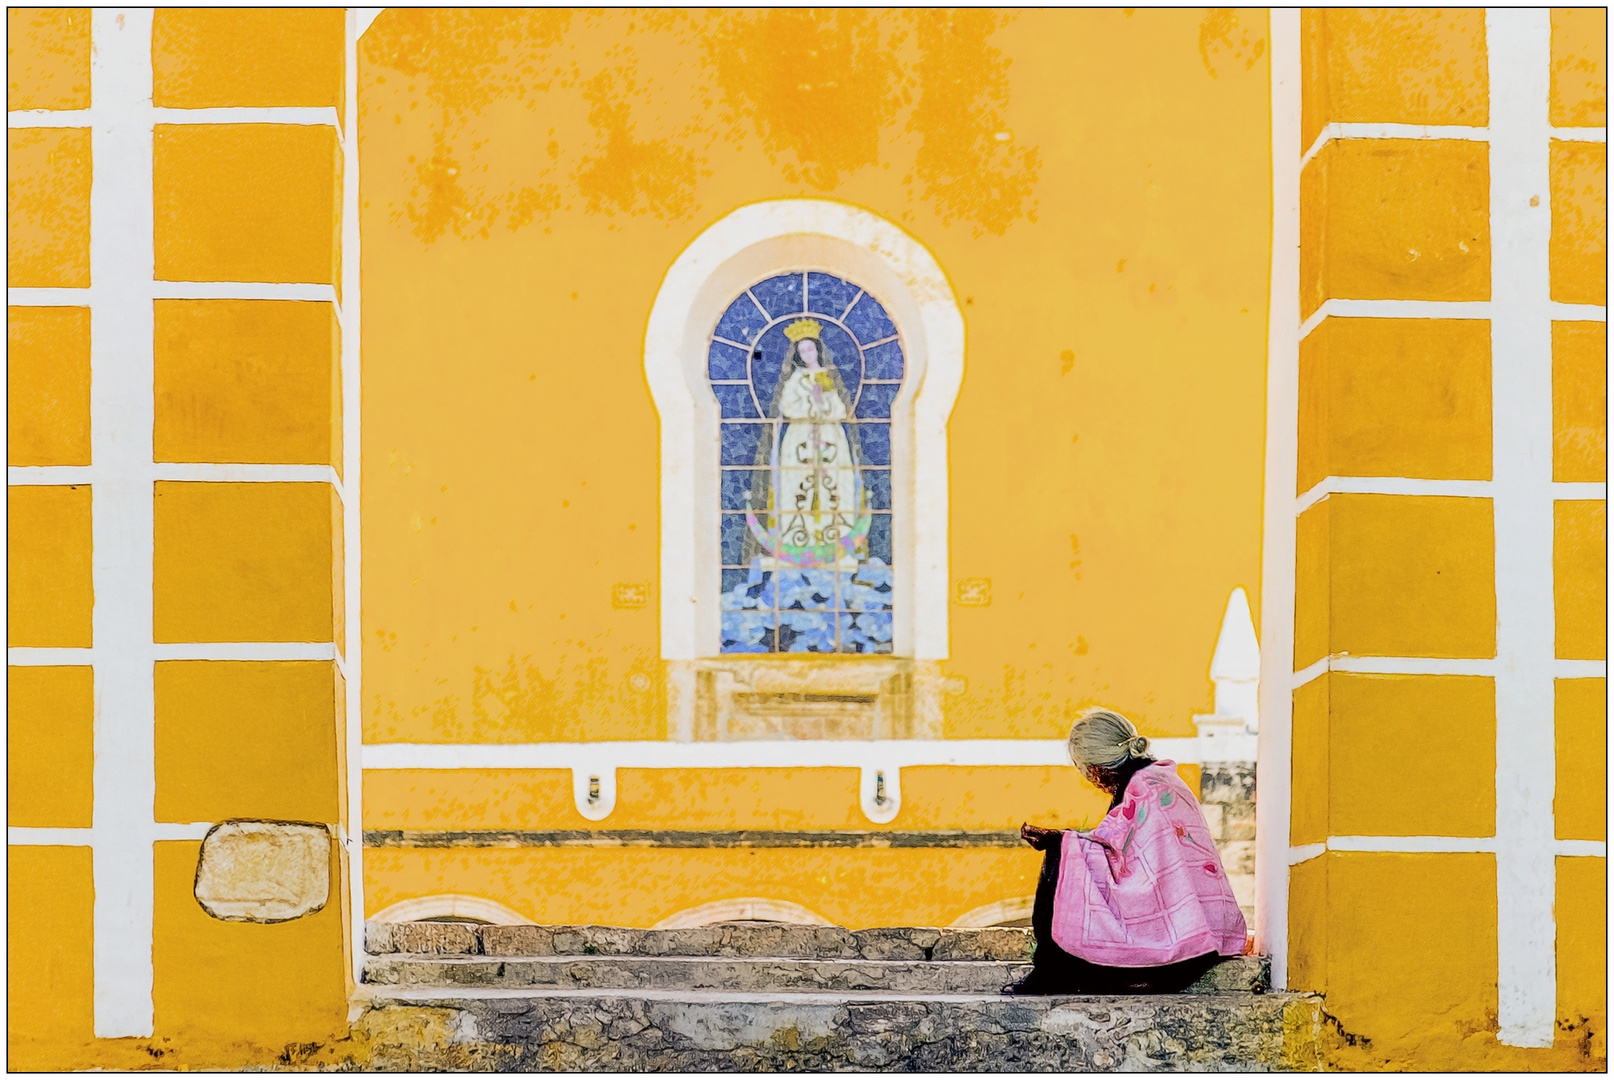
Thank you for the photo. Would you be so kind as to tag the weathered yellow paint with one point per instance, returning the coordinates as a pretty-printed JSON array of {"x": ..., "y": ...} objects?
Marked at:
[
  {"x": 49, "y": 966},
  {"x": 1395, "y": 219},
  {"x": 1352, "y": 776},
  {"x": 468, "y": 799},
  {"x": 47, "y": 386},
  {"x": 514, "y": 227},
  {"x": 1392, "y": 67},
  {"x": 247, "y": 202},
  {"x": 1579, "y": 249},
  {"x": 47, "y": 58},
  {"x": 243, "y": 562},
  {"x": 50, "y": 747},
  {"x": 1580, "y": 401},
  {"x": 230, "y": 994},
  {"x": 246, "y": 739},
  {"x": 1394, "y": 575},
  {"x": 1580, "y": 732},
  {"x": 204, "y": 58},
  {"x": 1579, "y": 67},
  {"x": 49, "y": 587},
  {"x": 248, "y": 381},
  {"x": 1395, "y": 397},
  {"x": 48, "y": 207},
  {"x": 1308, "y": 925},
  {"x": 1580, "y": 578},
  {"x": 1581, "y": 911},
  {"x": 642, "y": 886}
]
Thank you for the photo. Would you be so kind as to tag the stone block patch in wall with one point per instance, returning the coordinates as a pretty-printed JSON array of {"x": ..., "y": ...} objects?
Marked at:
[
  {"x": 1227, "y": 797},
  {"x": 263, "y": 871}
]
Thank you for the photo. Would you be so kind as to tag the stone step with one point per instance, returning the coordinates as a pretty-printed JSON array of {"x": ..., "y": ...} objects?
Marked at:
[
  {"x": 774, "y": 940},
  {"x": 493, "y": 1029}
]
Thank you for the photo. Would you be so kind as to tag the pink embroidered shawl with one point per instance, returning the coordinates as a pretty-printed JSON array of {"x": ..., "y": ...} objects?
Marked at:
[{"x": 1146, "y": 887}]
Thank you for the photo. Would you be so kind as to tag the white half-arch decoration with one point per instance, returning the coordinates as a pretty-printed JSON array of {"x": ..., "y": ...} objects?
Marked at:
[
  {"x": 998, "y": 912},
  {"x": 750, "y": 244},
  {"x": 449, "y": 906},
  {"x": 745, "y": 908}
]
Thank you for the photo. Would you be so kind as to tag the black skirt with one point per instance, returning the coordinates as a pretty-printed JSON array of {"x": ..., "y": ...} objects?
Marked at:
[{"x": 1055, "y": 971}]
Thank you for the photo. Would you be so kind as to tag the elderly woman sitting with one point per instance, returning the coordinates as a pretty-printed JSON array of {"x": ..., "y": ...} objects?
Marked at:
[{"x": 1139, "y": 905}]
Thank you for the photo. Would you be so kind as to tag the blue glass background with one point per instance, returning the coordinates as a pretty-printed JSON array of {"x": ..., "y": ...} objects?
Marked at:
[
  {"x": 735, "y": 400},
  {"x": 740, "y": 443},
  {"x": 876, "y": 400},
  {"x": 828, "y": 295},
  {"x": 868, "y": 320},
  {"x": 781, "y": 295},
  {"x": 741, "y": 321},
  {"x": 874, "y": 439},
  {"x": 882, "y": 361},
  {"x": 726, "y": 362}
]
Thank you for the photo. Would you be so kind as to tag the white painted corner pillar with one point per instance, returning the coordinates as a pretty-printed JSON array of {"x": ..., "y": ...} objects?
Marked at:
[
  {"x": 746, "y": 246},
  {"x": 1278, "y": 515},
  {"x": 1519, "y": 45},
  {"x": 122, "y": 269}
]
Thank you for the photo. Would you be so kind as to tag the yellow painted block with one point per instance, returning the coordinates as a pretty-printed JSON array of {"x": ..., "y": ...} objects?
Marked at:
[
  {"x": 1376, "y": 788},
  {"x": 1395, "y": 397},
  {"x": 1309, "y": 764},
  {"x": 1580, "y": 401},
  {"x": 1395, "y": 972},
  {"x": 49, "y": 587},
  {"x": 246, "y": 202},
  {"x": 48, "y": 207},
  {"x": 50, "y": 976},
  {"x": 1308, "y": 925},
  {"x": 737, "y": 799},
  {"x": 1392, "y": 575},
  {"x": 47, "y": 58},
  {"x": 247, "y": 739},
  {"x": 1580, "y": 798},
  {"x": 1579, "y": 67},
  {"x": 1396, "y": 219},
  {"x": 1405, "y": 66},
  {"x": 1579, "y": 246},
  {"x": 50, "y": 747},
  {"x": 468, "y": 799},
  {"x": 1580, "y": 578},
  {"x": 248, "y": 381},
  {"x": 641, "y": 886},
  {"x": 48, "y": 385},
  {"x": 243, "y": 562},
  {"x": 205, "y": 58},
  {"x": 1581, "y": 910},
  {"x": 243, "y": 992}
]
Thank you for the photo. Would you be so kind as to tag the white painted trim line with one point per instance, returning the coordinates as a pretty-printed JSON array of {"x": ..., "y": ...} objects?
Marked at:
[
  {"x": 1305, "y": 853},
  {"x": 1519, "y": 43},
  {"x": 48, "y": 475},
  {"x": 48, "y": 118},
  {"x": 244, "y": 290},
  {"x": 158, "y": 831},
  {"x": 23, "y": 656},
  {"x": 49, "y": 837},
  {"x": 246, "y": 651},
  {"x": 1393, "y": 131},
  {"x": 1579, "y": 492},
  {"x": 182, "y": 472},
  {"x": 18, "y": 296},
  {"x": 1580, "y": 669},
  {"x": 1579, "y": 312},
  {"x": 1428, "y": 665},
  {"x": 311, "y": 116},
  {"x": 1390, "y": 485},
  {"x": 1418, "y": 845},
  {"x": 1581, "y": 849},
  {"x": 1276, "y": 702},
  {"x": 1580, "y": 134},
  {"x": 1395, "y": 309},
  {"x": 656, "y": 754},
  {"x": 122, "y": 261}
]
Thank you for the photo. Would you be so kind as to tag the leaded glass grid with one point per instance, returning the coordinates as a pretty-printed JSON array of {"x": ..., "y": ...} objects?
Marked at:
[{"x": 805, "y": 455}]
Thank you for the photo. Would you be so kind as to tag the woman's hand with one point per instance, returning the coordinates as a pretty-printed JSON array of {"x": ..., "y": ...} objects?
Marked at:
[{"x": 1036, "y": 835}]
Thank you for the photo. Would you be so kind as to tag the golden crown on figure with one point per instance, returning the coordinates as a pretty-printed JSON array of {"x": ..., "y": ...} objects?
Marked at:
[{"x": 803, "y": 328}]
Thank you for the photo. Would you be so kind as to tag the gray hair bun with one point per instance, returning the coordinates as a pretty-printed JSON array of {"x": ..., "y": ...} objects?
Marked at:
[{"x": 1106, "y": 738}]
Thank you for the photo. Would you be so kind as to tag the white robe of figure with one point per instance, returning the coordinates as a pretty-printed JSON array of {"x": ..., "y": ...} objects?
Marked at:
[{"x": 817, "y": 500}]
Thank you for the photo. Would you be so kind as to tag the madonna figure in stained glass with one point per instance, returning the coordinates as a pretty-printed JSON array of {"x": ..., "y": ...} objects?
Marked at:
[{"x": 809, "y": 509}]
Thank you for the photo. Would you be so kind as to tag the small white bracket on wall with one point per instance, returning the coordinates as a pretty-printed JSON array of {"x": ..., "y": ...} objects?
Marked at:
[
  {"x": 594, "y": 790},
  {"x": 880, "y": 792}
]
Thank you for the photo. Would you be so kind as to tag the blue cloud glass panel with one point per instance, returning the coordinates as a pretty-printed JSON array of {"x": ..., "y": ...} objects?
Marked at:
[
  {"x": 732, "y": 539},
  {"x": 735, "y": 587},
  {"x": 866, "y": 632},
  {"x": 875, "y": 401},
  {"x": 807, "y": 631},
  {"x": 874, "y": 437},
  {"x": 740, "y": 443},
  {"x": 726, "y": 362},
  {"x": 780, "y": 296},
  {"x": 880, "y": 538},
  {"x": 742, "y": 321},
  {"x": 747, "y": 631},
  {"x": 828, "y": 295},
  {"x": 868, "y": 320},
  {"x": 735, "y": 400},
  {"x": 846, "y": 357},
  {"x": 883, "y": 361}
]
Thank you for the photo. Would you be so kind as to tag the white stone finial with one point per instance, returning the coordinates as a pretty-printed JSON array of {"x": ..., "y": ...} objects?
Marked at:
[{"x": 1236, "y": 671}]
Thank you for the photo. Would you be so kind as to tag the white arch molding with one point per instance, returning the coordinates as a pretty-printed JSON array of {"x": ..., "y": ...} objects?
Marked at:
[{"x": 750, "y": 244}]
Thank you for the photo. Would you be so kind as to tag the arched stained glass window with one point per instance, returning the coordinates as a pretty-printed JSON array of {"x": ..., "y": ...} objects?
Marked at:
[{"x": 805, "y": 367}]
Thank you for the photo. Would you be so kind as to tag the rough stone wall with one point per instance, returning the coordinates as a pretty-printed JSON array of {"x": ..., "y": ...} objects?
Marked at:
[{"x": 1227, "y": 796}]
